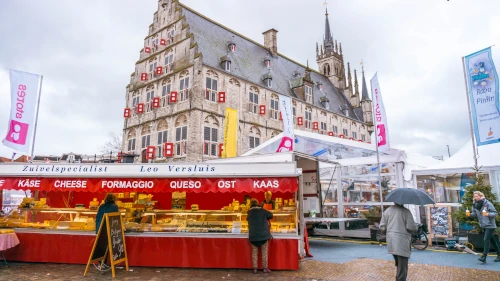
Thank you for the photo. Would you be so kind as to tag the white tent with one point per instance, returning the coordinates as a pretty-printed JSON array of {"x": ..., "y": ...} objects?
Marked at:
[{"x": 463, "y": 161}]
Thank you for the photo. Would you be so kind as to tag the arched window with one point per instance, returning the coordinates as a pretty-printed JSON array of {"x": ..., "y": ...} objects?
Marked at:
[
  {"x": 131, "y": 140},
  {"x": 165, "y": 92},
  {"x": 211, "y": 136},
  {"x": 328, "y": 69},
  {"x": 184, "y": 86},
  {"x": 253, "y": 100},
  {"x": 274, "y": 108},
  {"x": 324, "y": 69},
  {"x": 308, "y": 117},
  {"x": 181, "y": 135},
  {"x": 211, "y": 86},
  {"x": 162, "y": 138},
  {"x": 254, "y": 137},
  {"x": 146, "y": 135},
  {"x": 169, "y": 61},
  {"x": 150, "y": 93}
]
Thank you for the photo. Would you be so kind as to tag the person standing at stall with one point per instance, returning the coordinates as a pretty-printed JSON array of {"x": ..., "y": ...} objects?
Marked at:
[
  {"x": 268, "y": 203},
  {"x": 259, "y": 233},
  {"x": 398, "y": 224},
  {"x": 109, "y": 206},
  {"x": 486, "y": 213}
]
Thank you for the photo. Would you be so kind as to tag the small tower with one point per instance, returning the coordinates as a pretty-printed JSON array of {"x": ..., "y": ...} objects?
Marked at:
[
  {"x": 331, "y": 62},
  {"x": 366, "y": 104}
]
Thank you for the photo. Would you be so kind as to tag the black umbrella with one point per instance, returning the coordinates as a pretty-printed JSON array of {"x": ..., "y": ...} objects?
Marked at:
[{"x": 409, "y": 196}]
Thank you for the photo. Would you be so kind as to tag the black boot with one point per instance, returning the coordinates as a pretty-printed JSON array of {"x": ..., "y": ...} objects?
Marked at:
[
  {"x": 497, "y": 259},
  {"x": 482, "y": 258}
]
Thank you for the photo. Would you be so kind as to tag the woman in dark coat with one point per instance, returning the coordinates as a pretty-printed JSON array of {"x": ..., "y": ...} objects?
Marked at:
[
  {"x": 109, "y": 206},
  {"x": 259, "y": 233}
]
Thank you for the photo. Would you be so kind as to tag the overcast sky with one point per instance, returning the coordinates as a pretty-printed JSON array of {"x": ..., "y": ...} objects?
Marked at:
[{"x": 86, "y": 51}]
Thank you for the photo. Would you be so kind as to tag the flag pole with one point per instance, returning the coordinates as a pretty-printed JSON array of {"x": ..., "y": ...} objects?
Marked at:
[
  {"x": 470, "y": 117},
  {"x": 36, "y": 118},
  {"x": 378, "y": 156}
]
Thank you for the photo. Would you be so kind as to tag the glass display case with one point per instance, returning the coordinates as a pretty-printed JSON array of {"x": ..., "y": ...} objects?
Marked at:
[{"x": 141, "y": 221}]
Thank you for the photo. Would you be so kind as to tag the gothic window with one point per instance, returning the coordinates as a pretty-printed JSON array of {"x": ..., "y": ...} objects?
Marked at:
[
  {"x": 253, "y": 101},
  {"x": 274, "y": 108},
  {"x": 152, "y": 68},
  {"x": 308, "y": 117},
  {"x": 254, "y": 137},
  {"x": 335, "y": 129},
  {"x": 181, "y": 136},
  {"x": 323, "y": 128},
  {"x": 345, "y": 132},
  {"x": 210, "y": 136},
  {"x": 328, "y": 69},
  {"x": 211, "y": 87},
  {"x": 294, "y": 113},
  {"x": 146, "y": 136},
  {"x": 149, "y": 99},
  {"x": 324, "y": 69},
  {"x": 309, "y": 95},
  {"x": 131, "y": 140},
  {"x": 169, "y": 61},
  {"x": 184, "y": 87},
  {"x": 363, "y": 137},
  {"x": 165, "y": 93},
  {"x": 354, "y": 135},
  {"x": 162, "y": 130}
]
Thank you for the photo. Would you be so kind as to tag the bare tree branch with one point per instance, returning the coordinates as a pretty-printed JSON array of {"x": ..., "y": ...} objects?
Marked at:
[{"x": 114, "y": 144}]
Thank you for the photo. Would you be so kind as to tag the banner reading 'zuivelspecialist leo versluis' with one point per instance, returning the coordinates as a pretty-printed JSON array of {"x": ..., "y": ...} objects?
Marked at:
[{"x": 482, "y": 80}]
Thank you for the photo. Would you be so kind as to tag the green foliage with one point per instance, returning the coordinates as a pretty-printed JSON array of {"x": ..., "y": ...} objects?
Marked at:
[{"x": 468, "y": 200}]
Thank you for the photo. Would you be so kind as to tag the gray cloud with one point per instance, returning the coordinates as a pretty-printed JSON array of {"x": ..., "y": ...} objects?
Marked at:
[{"x": 87, "y": 50}]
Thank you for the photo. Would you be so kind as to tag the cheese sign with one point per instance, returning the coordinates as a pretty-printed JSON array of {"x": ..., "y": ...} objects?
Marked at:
[{"x": 201, "y": 185}]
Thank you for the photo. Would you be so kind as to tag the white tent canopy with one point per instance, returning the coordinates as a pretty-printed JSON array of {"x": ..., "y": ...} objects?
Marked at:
[{"x": 463, "y": 161}]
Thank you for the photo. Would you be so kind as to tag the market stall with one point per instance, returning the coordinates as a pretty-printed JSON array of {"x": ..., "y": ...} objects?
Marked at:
[{"x": 175, "y": 215}]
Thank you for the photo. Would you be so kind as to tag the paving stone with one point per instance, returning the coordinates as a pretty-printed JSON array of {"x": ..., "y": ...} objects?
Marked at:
[{"x": 356, "y": 270}]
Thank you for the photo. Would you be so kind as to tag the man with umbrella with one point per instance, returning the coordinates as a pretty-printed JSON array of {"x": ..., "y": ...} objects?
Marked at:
[{"x": 398, "y": 224}]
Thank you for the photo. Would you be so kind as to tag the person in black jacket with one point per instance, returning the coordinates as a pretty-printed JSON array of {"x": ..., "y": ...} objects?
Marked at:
[
  {"x": 109, "y": 206},
  {"x": 259, "y": 233}
]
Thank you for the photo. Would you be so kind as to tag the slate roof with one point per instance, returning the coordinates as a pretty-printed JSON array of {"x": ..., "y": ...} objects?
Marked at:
[
  {"x": 248, "y": 62},
  {"x": 364, "y": 91}
]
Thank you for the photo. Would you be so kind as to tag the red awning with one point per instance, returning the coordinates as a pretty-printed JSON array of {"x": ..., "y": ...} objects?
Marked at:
[{"x": 197, "y": 185}]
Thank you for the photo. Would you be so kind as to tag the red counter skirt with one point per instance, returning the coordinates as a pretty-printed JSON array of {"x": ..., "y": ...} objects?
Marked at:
[{"x": 155, "y": 251}]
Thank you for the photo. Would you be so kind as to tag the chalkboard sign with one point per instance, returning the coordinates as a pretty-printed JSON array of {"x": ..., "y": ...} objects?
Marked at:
[
  {"x": 439, "y": 221},
  {"x": 110, "y": 239}
]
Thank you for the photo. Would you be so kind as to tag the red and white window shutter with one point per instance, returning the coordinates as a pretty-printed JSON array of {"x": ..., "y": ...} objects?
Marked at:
[
  {"x": 144, "y": 76},
  {"x": 341, "y": 136},
  {"x": 331, "y": 134},
  {"x": 222, "y": 97},
  {"x": 147, "y": 50},
  {"x": 168, "y": 149},
  {"x": 150, "y": 152},
  {"x": 156, "y": 102},
  {"x": 281, "y": 116},
  {"x": 300, "y": 121},
  {"x": 139, "y": 108},
  {"x": 159, "y": 70},
  {"x": 262, "y": 109},
  {"x": 163, "y": 42},
  {"x": 173, "y": 96},
  {"x": 315, "y": 125},
  {"x": 221, "y": 149},
  {"x": 126, "y": 112}
]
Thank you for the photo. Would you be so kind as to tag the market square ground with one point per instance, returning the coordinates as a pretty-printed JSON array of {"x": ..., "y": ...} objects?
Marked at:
[{"x": 332, "y": 261}]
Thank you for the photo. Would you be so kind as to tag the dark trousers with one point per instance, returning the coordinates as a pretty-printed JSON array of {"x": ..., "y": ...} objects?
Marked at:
[
  {"x": 402, "y": 264},
  {"x": 488, "y": 237}
]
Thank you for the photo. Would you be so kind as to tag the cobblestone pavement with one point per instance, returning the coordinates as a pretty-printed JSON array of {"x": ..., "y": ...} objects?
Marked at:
[{"x": 356, "y": 270}]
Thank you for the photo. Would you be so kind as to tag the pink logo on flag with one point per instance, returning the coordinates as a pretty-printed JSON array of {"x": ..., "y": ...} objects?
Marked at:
[
  {"x": 18, "y": 132},
  {"x": 286, "y": 144},
  {"x": 381, "y": 135}
]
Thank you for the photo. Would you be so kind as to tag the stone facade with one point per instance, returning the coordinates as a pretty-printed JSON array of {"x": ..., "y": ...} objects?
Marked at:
[{"x": 194, "y": 122}]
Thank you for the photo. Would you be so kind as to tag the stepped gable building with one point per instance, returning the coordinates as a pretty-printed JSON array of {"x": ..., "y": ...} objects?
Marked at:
[{"x": 192, "y": 68}]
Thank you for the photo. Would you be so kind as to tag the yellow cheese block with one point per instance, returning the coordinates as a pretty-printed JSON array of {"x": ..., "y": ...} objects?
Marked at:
[{"x": 5, "y": 231}]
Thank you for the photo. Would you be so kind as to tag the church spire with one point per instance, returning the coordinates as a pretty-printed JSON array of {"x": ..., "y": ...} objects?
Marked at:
[
  {"x": 349, "y": 77},
  {"x": 356, "y": 90},
  {"x": 328, "y": 35},
  {"x": 364, "y": 88}
]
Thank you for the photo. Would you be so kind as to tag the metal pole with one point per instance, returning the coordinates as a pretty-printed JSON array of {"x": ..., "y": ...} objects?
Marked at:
[
  {"x": 378, "y": 156},
  {"x": 449, "y": 155},
  {"x": 36, "y": 118},
  {"x": 301, "y": 216},
  {"x": 470, "y": 117}
]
